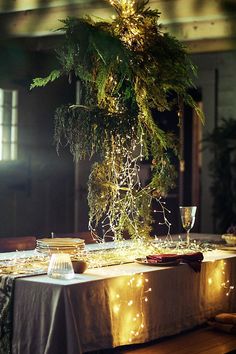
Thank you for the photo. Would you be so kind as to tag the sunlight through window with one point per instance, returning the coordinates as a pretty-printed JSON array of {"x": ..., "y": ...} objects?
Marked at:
[{"x": 8, "y": 124}]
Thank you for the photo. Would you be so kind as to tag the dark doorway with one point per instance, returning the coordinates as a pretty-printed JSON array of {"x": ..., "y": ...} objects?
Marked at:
[{"x": 188, "y": 186}]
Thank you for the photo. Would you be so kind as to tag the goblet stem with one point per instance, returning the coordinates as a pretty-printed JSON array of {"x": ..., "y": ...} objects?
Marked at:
[{"x": 188, "y": 238}]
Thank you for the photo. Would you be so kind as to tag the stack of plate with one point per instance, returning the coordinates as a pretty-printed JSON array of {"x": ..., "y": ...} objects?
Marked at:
[{"x": 60, "y": 245}]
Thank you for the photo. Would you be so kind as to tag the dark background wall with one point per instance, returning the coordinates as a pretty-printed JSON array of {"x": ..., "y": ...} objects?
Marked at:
[
  {"x": 216, "y": 78},
  {"x": 36, "y": 190}
]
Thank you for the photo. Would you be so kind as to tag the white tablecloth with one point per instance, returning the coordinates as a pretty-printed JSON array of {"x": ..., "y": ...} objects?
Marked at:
[{"x": 114, "y": 306}]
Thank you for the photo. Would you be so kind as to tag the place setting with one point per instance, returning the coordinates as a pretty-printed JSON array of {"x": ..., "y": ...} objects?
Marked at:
[{"x": 181, "y": 250}]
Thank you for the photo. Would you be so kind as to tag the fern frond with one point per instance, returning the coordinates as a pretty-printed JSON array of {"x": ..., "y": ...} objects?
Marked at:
[{"x": 43, "y": 81}]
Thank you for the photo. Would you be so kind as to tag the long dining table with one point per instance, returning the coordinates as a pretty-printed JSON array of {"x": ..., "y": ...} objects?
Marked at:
[{"x": 118, "y": 305}]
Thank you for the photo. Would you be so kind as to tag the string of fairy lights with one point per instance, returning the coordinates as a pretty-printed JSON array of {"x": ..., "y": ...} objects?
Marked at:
[
  {"x": 128, "y": 192},
  {"x": 226, "y": 284},
  {"x": 136, "y": 284}
]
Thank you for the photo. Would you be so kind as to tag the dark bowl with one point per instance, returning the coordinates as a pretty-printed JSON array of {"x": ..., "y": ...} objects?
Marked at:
[{"x": 79, "y": 266}]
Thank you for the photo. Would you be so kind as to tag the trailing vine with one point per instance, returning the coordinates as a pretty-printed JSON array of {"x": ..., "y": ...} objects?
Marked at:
[{"x": 128, "y": 69}]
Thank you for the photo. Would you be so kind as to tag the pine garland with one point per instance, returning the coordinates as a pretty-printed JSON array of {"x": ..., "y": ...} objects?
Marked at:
[{"x": 128, "y": 69}]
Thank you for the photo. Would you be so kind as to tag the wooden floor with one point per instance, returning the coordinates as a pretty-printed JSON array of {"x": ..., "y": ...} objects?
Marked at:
[{"x": 199, "y": 341}]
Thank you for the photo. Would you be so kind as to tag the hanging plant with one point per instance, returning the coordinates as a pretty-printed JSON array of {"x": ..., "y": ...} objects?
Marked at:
[{"x": 128, "y": 69}]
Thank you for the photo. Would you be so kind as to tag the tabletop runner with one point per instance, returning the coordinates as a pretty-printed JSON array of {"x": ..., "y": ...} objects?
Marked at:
[
  {"x": 7, "y": 284},
  {"x": 6, "y": 311}
]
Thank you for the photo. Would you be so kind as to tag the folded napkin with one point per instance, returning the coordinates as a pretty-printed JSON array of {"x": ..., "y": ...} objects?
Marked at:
[
  {"x": 162, "y": 258},
  {"x": 192, "y": 259}
]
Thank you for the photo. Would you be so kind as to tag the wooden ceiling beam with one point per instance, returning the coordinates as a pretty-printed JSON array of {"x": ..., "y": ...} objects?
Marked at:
[
  {"x": 25, "y": 5},
  {"x": 46, "y": 21},
  {"x": 194, "y": 21},
  {"x": 201, "y": 30},
  {"x": 211, "y": 45},
  {"x": 169, "y": 9}
]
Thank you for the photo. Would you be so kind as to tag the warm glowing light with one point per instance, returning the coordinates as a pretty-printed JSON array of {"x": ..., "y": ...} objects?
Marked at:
[
  {"x": 116, "y": 309},
  {"x": 209, "y": 281},
  {"x": 139, "y": 283},
  {"x": 218, "y": 283},
  {"x": 129, "y": 312}
]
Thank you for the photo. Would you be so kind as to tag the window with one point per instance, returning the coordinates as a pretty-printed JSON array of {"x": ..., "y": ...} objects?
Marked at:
[{"x": 8, "y": 124}]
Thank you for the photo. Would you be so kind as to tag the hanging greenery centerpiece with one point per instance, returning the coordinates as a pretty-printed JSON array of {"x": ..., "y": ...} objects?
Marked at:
[{"x": 128, "y": 68}]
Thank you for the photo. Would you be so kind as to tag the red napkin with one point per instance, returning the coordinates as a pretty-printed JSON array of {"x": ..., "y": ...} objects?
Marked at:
[
  {"x": 192, "y": 259},
  {"x": 162, "y": 258}
]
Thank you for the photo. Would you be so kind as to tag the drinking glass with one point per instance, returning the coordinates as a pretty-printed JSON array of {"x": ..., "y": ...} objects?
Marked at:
[
  {"x": 187, "y": 214},
  {"x": 60, "y": 267}
]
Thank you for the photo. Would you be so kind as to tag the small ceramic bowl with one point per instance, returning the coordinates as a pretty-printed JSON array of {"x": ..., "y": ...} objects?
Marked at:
[
  {"x": 79, "y": 266},
  {"x": 230, "y": 239}
]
